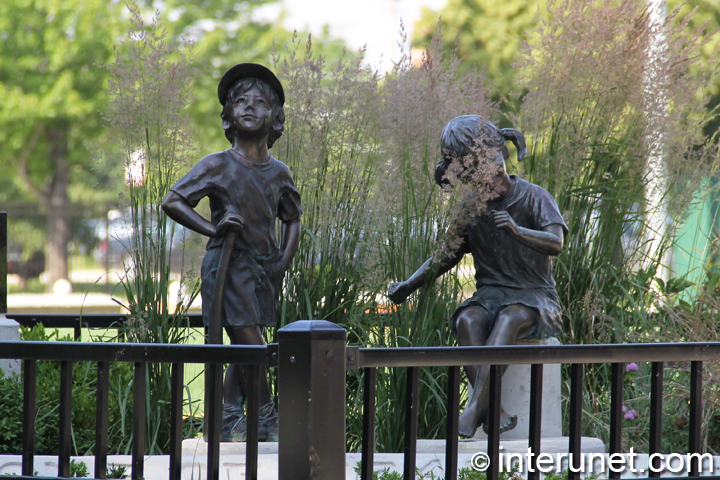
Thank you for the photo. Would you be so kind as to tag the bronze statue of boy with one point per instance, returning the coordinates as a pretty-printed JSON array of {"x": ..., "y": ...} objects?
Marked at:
[
  {"x": 248, "y": 189},
  {"x": 512, "y": 248}
]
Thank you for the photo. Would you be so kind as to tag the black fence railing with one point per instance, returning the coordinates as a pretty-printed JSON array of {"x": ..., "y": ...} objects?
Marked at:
[
  {"x": 140, "y": 354},
  {"x": 312, "y": 357},
  {"x": 575, "y": 355},
  {"x": 89, "y": 321}
]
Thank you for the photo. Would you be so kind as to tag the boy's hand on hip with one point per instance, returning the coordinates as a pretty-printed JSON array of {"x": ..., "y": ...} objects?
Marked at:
[
  {"x": 504, "y": 221},
  {"x": 230, "y": 222}
]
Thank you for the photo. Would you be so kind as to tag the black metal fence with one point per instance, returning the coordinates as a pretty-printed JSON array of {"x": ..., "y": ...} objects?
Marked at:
[{"x": 312, "y": 357}]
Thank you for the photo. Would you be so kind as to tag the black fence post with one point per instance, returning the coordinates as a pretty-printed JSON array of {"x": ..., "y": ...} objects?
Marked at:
[{"x": 311, "y": 395}]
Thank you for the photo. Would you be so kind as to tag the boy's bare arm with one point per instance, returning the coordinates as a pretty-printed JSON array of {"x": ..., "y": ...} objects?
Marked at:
[
  {"x": 549, "y": 240},
  {"x": 177, "y": 208},
  {"x": 399, "y": 291},
  {"x": 290, "y": 242}
]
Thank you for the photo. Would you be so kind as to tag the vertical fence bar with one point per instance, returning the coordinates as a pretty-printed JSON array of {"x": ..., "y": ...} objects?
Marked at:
[
  {"x": 139, "y": 412},
  {"x": 3, "y": 262},
  {"x": 311, "y": 390},
  {"x": 694, "y": 441},
  {"x": 451, "y": 431},
  {"x": 101, "y": 419},
  {"x": 535, "y": 430},
  {"x": 616, "y": 401},
  {"x": 411, "y": 416},
  {"x": 253, "y": 408},
  {"x": 493, "y": 448},
  {"x": 77, "y": 329},
  {"x": 368, "y": 438},
  {"x": 28, "y": 435},
  {"x": 176, "y": 410},
  {"x": 213, "y": 418},
  {"x": 656, "y": 389},
  {"x": 65, "y": 421},
  {"x": 575, "y": 428}
]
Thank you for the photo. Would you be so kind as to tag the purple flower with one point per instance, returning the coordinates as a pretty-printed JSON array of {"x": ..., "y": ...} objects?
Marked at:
[
  {"x": 714, "y": 379},
  {"x": 624, "y": 408},
  {"x": 631, "y": 367},
  {"x": 631, "y": 414}
]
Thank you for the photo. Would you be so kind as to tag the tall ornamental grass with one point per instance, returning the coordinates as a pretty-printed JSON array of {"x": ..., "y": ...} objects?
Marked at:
[
  {"x": 362, "y": 150},
  {"x": 150, "y": 137},
  {"x": 614, "y": 113}
]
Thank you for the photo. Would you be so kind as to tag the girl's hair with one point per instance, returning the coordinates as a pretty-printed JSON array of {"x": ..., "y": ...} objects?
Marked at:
[
  {"x": 244, "y": 85},
  {"x": 462, "y": 133}
]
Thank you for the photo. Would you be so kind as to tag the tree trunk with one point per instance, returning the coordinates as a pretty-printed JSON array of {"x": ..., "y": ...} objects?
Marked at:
[{"x": 57, "y": 204}]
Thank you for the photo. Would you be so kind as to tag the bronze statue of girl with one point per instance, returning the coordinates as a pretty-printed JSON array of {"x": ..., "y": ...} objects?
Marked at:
[{"x": 512, "y": 248}]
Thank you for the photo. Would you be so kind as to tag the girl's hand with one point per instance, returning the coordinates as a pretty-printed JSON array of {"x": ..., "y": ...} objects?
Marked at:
[
  {"x": 232, "y": 222},
  {"x": 398, "y": 292},
  {"x": 504, "y": 221}
]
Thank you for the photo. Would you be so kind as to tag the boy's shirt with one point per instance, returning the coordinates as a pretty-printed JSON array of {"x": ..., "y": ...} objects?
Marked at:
[
  {"x": 259, "y": 193},
  {"x": 503, "y": 261}
]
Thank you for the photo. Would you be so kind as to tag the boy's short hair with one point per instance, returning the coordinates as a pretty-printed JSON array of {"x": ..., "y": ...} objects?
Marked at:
[
  {"x": 463, "y": 133},
  {"x": 243, "y": 85}
]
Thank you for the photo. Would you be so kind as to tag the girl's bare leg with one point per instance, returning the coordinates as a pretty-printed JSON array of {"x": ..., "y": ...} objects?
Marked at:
[{"x": 512, "y": 321}]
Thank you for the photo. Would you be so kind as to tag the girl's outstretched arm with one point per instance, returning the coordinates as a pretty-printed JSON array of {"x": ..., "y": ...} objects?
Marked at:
[{"x": 399, "y": 291}]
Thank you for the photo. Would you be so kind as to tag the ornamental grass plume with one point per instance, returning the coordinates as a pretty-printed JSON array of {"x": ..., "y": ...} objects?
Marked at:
[
  {"x": 363, "y": 150},
  {"x": 150, "y": 140},
  {"x": 615, "y": 106}
]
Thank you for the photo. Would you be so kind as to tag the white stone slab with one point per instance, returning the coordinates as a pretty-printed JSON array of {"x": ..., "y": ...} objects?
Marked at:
[
  {"x": 547, "y": 445},
  {"x": 9, "y": 332},
  {"x": 233, "y": 466},
  {"x": 515, "y": 397}
]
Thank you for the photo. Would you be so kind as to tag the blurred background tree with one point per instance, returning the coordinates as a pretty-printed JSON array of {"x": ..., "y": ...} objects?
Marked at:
[
  {"x": 51, "y": 89},
  {"x": 490, "y": 34}
]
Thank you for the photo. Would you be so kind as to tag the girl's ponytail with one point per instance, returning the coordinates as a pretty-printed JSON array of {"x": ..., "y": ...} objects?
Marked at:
[{"x": 518, "y": 139}]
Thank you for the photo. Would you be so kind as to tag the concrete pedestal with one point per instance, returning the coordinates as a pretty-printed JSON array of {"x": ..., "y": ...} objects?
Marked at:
[
  {"x": 516, "y": 398},
  {"x": 9, "y": 331}
]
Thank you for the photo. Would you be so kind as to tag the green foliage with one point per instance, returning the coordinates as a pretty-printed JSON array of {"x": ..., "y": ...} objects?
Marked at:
[
  {"x": 79, "y": 469},
  {"x": 52, "y": 85},
  {"x": 84, "y": 402},
  {"x": 489, "y": 34},
  {"x": 462, "y": 474},
  {"x": 118, "y": 471}
]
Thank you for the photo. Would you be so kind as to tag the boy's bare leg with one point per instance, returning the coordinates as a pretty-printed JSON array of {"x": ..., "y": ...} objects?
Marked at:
[
  {"x": 236, "y": 377},
  {"x": 511, "y": 322}
]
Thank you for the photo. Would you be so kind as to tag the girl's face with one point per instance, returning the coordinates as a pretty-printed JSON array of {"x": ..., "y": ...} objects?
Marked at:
[{"x": 499, "y": 178}]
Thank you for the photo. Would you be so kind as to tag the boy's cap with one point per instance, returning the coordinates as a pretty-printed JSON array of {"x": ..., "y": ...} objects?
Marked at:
[{"x": 243, "y": 70}]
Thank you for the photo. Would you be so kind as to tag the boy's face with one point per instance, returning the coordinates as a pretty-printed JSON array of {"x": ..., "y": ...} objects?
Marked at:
[{"x": 252, "y": 112}]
